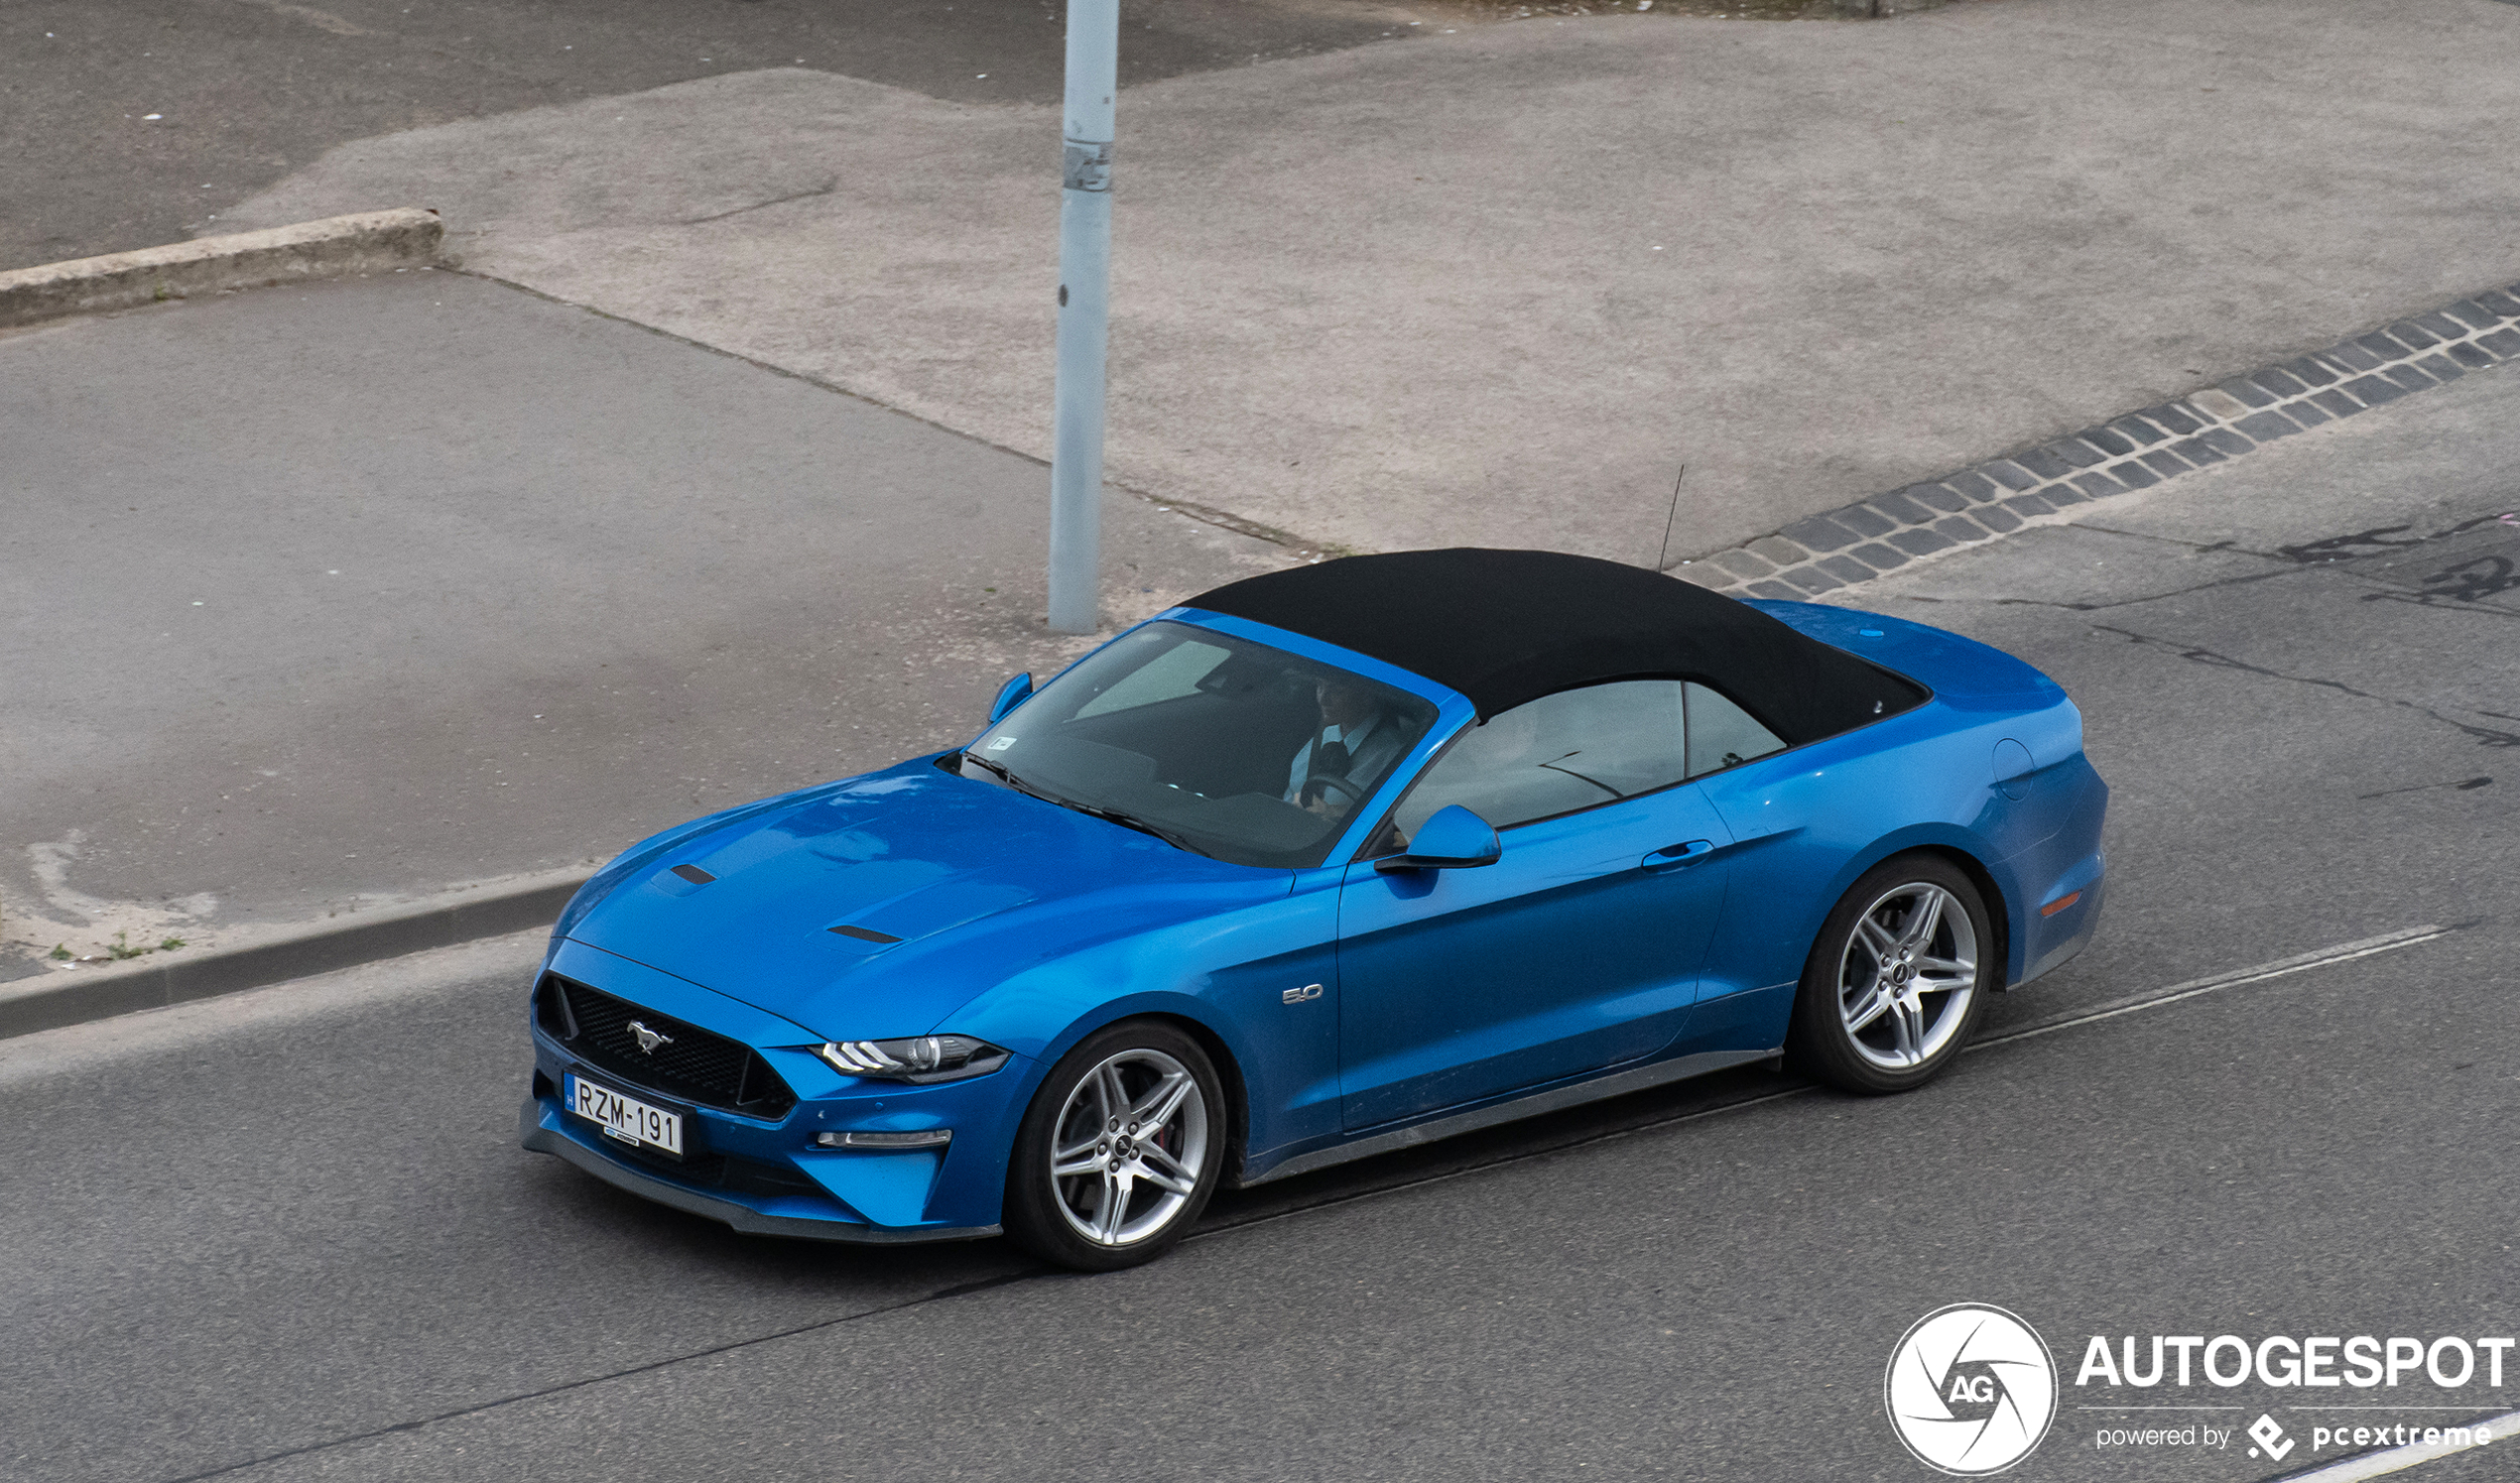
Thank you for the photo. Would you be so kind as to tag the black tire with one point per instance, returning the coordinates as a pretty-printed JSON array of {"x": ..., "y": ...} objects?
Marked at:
[
  {"x": 1878, "y": 1012},
  {"x": 1066, "y": 1220}
]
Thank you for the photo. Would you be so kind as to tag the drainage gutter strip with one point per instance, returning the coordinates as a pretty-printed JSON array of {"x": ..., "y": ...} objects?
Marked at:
[{"x": 2044, "y": 485}]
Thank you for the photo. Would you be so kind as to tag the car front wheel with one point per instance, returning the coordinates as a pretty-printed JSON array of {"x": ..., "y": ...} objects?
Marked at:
[
  {"x": 1896, "y": 980},
  {"x": 1121, "y": 1149}
]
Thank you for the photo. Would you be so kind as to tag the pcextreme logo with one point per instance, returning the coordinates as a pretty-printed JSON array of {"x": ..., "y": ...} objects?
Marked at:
[{"x": 1970, "y": 1390}]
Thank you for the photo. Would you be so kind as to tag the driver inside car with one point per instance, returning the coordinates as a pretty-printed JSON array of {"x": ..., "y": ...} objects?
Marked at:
[{"x": 1355, "y": 740}]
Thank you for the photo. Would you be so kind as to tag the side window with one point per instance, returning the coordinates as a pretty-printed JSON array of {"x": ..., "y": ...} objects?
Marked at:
[
  {"x": 1559, "y": 753},
  {"x": 1721, "y": 735}
]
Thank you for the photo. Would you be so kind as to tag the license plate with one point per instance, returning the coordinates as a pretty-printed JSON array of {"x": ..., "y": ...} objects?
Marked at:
[{"x": 625, "y": 1118}]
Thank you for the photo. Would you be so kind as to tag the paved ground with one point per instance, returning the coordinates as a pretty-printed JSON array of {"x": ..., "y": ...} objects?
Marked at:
[
  {"x": 1500, "y": 284},
  {"x": 292, "y": 1226},
  {"x": 287, "y": 1235},
  {"x": 328, "y": 595},
  {"x": 247, "y": 90},
  {"x": 187, "y": 776}
]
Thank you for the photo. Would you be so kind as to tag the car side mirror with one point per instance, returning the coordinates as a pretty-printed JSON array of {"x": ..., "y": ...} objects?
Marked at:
[
  {"x": 1011, "y": 695},
  {"x": 1454, "y": 838}
]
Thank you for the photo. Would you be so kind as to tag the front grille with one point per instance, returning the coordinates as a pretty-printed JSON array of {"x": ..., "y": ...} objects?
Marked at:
[{"x": 696, "y": 1065}]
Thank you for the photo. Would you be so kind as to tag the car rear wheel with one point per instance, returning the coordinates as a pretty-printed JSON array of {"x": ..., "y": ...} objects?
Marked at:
[
  {"x": 1120, "y": 1149},
  {"x": 1897, "y": 979}
]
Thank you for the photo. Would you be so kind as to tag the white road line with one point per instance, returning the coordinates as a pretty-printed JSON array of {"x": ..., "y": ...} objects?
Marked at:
[
  {"x": 2343, "y": 952},
  {"x": 2504, "y": 1429}
]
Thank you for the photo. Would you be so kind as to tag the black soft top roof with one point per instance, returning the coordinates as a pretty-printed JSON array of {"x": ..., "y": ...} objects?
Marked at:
[{"x": 1504, "y": 627}]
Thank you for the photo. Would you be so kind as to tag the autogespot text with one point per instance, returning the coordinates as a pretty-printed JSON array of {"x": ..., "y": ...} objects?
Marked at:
[{"x": 2278, "y": 1361}]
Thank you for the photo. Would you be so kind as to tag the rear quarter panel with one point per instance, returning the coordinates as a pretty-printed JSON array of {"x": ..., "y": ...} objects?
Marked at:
[{"x": 1808, "y": 823}]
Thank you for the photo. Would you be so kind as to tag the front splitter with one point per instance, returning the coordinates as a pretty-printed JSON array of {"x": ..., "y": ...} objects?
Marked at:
[{"x": 536, "y": 1133}]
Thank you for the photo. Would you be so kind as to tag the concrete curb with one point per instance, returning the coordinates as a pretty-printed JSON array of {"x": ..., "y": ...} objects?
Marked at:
[
  {"x": 405, "y": 237},
  {"x": 76, "y": 996},
  {"x": 1841, "y": 550}
]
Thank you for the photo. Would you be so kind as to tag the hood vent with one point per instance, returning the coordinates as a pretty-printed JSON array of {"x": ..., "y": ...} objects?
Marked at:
[
  {"x": 694, "y": 874},
  {"x": 865, "y": 935}
]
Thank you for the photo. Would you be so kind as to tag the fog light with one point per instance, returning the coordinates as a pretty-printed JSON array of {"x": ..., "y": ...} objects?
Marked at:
[{"x": 925, "y": 1138}]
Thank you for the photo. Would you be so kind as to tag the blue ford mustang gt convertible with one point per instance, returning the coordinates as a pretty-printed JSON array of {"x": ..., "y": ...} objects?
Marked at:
[{"x": 1328, "y": 862}]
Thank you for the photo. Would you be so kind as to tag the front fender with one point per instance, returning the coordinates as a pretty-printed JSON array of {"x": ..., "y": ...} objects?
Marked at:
[{"x": 1228, "y": 974}]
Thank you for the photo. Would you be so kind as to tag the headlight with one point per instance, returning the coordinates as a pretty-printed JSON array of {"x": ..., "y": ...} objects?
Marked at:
[{"x": 921, "y": 1059}]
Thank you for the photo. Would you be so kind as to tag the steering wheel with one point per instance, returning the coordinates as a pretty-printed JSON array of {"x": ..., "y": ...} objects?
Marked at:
[{"x": 1356, "y": 795}]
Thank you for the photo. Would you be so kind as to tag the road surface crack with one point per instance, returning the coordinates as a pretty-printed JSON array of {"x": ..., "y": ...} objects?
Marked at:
[
  {"x": 826, "y": 189},
  {"x": 2193, "y": 653}
]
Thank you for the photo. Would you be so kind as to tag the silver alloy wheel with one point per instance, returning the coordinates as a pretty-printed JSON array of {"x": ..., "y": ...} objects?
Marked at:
[
  {"x": 1907, "y": 975},
  {"x": 1127, "y": 1148}
]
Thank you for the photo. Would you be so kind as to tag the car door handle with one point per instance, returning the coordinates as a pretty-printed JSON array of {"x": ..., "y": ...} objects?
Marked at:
[{"x": 1679, "y": 855}]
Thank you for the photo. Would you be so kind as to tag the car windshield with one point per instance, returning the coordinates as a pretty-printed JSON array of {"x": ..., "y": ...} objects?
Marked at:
[{"x": 1221, "y": 745}]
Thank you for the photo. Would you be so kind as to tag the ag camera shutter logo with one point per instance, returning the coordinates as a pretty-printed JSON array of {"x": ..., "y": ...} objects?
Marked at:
[{"x": 1970, "y": 1390}]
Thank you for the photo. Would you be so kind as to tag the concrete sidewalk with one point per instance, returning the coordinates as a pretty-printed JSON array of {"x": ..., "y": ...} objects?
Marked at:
[
  {"x": 1497, "y": 286},
  {"x": 324, "y": 599}
]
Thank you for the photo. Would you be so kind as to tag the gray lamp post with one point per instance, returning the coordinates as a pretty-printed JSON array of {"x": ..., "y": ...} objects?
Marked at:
[{"x": 1085, "y": 317}]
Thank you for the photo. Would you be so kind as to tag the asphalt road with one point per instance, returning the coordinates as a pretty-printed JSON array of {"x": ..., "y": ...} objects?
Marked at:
[
  {"x": 244, "y": 92},
  {"x": 289, "y": 1236}
]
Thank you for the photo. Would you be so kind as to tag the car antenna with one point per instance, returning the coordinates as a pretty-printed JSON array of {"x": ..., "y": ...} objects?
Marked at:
[{"x": 1669, "y": 519}]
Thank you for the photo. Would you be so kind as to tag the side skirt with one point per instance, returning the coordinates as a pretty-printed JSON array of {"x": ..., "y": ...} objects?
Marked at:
[{"x": 1530, "y": 1104}]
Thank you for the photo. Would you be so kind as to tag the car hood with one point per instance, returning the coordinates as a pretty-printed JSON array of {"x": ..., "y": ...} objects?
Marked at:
[{"x": 968, "y": 881}]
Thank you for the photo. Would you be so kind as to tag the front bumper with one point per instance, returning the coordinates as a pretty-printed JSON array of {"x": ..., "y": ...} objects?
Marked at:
[
  {"x": 545, "y": 1128},
  {"x": 763, "y": 1170}
]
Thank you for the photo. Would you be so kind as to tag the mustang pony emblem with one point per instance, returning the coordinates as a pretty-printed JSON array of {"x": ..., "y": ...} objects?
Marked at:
[{"x": 648, "y": 1038}]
